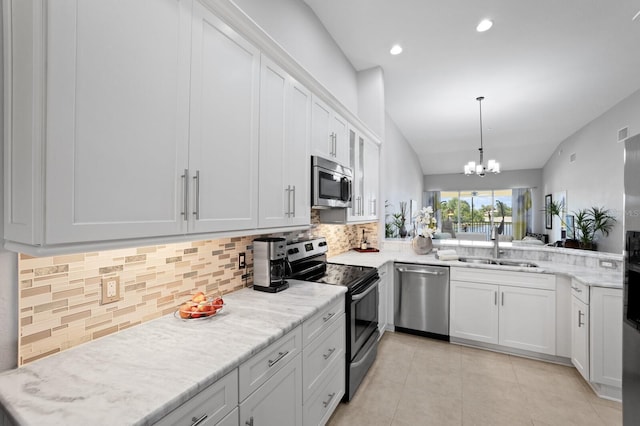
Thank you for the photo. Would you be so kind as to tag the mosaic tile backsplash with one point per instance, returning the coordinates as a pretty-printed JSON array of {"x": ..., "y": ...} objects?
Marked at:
[{"x": 60, "y": 296}]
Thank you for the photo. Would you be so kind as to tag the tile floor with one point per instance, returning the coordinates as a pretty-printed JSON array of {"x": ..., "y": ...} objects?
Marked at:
[{"x": 419, "y": 381}]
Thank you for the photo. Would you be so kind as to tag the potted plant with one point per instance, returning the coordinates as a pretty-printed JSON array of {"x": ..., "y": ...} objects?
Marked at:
[
  {"x": 401, "y": 219},
  {"x": 425, "y": 223},
  {"x": 590, "y": 222}
]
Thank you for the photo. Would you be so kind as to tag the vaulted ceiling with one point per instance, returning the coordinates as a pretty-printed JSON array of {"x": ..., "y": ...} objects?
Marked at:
[{"x": 546, "y": 69}]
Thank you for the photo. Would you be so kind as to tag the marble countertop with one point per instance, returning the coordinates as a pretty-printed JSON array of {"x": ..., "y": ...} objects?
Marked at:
[
  {"x": 600, "y": 277},
  {"x": 140, "y": 374}
]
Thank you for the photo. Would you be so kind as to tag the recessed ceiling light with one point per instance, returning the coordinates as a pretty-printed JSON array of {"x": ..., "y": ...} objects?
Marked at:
[
  {"x": 484, "y": 25},
  {"x": 396, "y": 49}
]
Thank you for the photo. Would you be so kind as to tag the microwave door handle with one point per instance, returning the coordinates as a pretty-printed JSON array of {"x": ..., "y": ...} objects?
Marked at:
[{"x": 347, "y": 185}]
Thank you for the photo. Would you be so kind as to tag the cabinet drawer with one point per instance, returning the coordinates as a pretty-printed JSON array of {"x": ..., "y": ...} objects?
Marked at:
[
  {"x": 269, "y": 361},
  {"x": 511, "y": 278},
  {"x": 322, "y": 354},
  {"x": 580, "y": 291},
  {"x": 212, "y": 404},
  {"x": 324, "y": 401},
  {"x": 315, "y": 325}
]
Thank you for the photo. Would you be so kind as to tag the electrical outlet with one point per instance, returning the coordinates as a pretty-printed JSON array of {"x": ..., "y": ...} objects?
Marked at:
[
  {"x": 110, "y": 290},
  {"x": 607, "y": 264},
  {"x": 242, "y": 261}
]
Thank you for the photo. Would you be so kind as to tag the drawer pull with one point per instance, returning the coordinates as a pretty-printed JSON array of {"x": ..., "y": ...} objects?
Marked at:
[
  {"x": 328, "y": 317},
  {"x": 328, "y": 354},
  {"x": 326, "y": 403},
  {"x": 196, "y": 421},
  {"x": 580, "y": 315},
  {"x": 578, "y": 289},
  {"x": 249, "y": 422},
  {"x": 280, "y": 356}
]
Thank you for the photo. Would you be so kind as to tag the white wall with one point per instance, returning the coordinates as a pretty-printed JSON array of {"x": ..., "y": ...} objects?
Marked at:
[
  {"x": 8, "y": 264},
  {"x": 297, "y": 29},
  {"x": 371, "y": 107},
  {"x": 400, "y": 170},
  {"x": 595, "y": 178}
]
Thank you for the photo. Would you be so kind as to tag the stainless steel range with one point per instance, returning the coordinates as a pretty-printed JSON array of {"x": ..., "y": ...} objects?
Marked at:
[{"x": 308, "y": 262}]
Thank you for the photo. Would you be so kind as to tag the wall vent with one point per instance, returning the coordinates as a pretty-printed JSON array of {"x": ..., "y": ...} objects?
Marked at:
[
  {"x": 572, "y": 158},
  {"x": 623, "y": 134}
]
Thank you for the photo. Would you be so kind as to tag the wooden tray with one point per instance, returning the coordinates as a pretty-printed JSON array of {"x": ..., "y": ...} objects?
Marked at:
[{"x": 368, "y": 250}]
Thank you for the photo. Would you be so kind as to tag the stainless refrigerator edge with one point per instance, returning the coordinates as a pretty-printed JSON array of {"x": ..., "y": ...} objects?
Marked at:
[{"x": 631, "y": 307}]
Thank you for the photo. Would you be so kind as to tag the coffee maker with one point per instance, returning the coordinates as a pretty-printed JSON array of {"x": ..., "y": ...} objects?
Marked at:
[{"x": 269, "y": 260}]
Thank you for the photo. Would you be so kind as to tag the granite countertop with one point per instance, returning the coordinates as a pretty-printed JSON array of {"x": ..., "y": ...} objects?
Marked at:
[
  {"x": 600, "y": 277},
  {"x": 141, "y": 374}
]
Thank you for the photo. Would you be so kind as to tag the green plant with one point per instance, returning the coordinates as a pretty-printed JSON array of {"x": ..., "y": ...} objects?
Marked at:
[
  {"x": 389, "y": 221},
  {"x": 556, "y": 208},
  {"x": 590, "y": 222}
]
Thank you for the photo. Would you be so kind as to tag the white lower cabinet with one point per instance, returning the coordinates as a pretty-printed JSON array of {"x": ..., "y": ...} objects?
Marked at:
[
  {"x": 278, "y": 401},
  {"x": 512, "y": 309},
  {"x": 606, "y": 336},
  {"x": 212, "y": 406},
  {"x": 232, "y": 419},
  {"x": 321, "y": 404},
  {"x": 383, "y": 299},
  {"x": 580, "y": 328}
]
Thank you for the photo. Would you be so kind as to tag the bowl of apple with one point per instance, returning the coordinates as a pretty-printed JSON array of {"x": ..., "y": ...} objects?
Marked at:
[{"x": 199, "y": 307}]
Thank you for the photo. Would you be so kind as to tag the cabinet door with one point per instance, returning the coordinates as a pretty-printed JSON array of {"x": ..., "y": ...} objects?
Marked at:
[
  {"x": 606, "y": 336},
  {"x": 298, "y": 161},
  {"x": 278, "y": 401},
  {"x": 340, "y": 131},
  {"x": 117, "y": 118},
  {"x": 371, "y": 180},
  {"x": 223, "y": 148},
  {"x": 580, "y": 336},
  {"x": 321, "y": 132},
  {"x": 474, "y": 311},
  {"x": 383, "y": 299},
  {"x": 356, "y": 163},
  {"x": 528, "y": 319},
  {"x": 275, "y": 197}
]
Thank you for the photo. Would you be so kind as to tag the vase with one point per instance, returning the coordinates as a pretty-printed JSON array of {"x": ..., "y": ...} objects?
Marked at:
[
  {"x": 403, "y": 231},
  {"x": 422, "y": 245}
]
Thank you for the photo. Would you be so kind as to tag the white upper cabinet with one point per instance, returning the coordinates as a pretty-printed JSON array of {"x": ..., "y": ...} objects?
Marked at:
[
  {"x": 116, "y": 121},
  {"x": 285, "y": 126},
  {"x": 371, "y": 180},
  {"x": 223, "y": 148},
  {"x": 329, "y": 133}
]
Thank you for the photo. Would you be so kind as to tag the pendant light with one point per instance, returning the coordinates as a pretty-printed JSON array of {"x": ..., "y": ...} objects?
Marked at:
[{"x": 479, "y": 169}]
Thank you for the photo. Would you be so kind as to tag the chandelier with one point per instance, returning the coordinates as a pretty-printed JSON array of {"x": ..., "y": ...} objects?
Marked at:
[{"x": 479, "y": 169}]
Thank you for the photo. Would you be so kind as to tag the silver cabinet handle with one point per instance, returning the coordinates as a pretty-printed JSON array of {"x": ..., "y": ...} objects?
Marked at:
[
  {"x": 196, "y": 178},
  {"x": 580, "y": 315},
  {"x": 280, "y": 356},
  {"x": 328, "y": 354},
  {"x": 293, "y": 190},
  {"x": 578, "y": 289},
  {"x": 288, "y": 191},
  {"x": 326, "y": 403},
  {"x": 328, "y": 317},
  {"x": 495, "y": 298},
  {"x": 196, "y": 421},
  {"x": 502, "y": 301},
  {"x": 361, "y": 206},
  {"x": 249, "y": 422},
  {"x": 335, "y": 144},
  {"x": 185, "y": 195}
]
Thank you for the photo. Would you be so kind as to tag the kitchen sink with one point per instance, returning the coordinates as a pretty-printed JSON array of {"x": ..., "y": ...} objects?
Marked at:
[{"x": 504, "y": 262}]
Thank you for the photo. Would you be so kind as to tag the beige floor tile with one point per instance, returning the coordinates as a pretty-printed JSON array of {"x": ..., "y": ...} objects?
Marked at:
[
  {"x": 493, "y": 365},
  {"x": 533, "y": 382},
  {"x": 501, "y": 413},
  {"x": 378, "y": 397},
  {"x": 609, "y": 415},
  {"x": 490, "y": 390},
  {"x": 346, "y": 415},
  {"x": 556, "y": 409},
  {"x": 419, "y": 407},
  {"x": 518, "y": 362}
]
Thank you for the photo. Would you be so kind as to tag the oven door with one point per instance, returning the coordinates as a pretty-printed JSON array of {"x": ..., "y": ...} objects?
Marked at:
[{"x": 364, "y": 316}]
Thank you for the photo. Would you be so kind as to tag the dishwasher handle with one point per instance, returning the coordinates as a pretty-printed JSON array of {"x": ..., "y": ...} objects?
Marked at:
[{"x": 419, "y": 271}]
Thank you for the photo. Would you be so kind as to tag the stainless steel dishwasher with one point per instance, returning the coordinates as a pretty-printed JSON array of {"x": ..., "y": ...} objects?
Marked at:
[{"x": 421, "y": 300}]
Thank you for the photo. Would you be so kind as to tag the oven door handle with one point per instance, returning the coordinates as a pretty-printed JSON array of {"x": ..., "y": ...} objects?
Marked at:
[{"x": 362, "y": 295}]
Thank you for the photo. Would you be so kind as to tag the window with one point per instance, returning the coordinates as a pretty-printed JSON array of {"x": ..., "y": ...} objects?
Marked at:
[{"x": 472, "y": 211}]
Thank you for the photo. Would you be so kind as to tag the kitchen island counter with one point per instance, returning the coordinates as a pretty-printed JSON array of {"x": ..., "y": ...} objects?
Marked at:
[
  {"x": 589, "y": 275},
  {"x": 140, "y": 374}
]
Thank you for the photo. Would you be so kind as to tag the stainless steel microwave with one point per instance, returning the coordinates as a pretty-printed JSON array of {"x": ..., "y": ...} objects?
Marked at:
[{"x": 331, "y": 184}]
